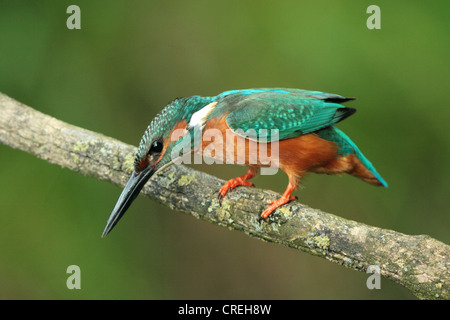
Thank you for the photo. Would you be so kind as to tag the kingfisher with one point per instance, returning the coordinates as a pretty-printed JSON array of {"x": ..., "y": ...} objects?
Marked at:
[{"x": 307, "y": 140}]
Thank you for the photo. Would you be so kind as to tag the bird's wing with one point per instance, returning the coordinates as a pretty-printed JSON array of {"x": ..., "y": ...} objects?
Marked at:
[{"x": 292, "y": 112}]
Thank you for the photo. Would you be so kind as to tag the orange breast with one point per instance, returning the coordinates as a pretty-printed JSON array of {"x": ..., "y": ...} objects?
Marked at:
[
  {"x": 221, "y": 143},
  {"x": 295, "y": 156},
  {"x": 305, "y": 153}
]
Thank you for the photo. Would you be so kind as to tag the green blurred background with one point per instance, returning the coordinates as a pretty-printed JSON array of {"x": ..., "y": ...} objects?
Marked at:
[{"x": 132, "y": 57}]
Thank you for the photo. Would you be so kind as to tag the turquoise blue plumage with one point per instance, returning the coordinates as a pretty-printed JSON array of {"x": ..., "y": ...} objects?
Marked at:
[
  {"x": 292, "y": 113},
  {"x": 347, "y": 146}
]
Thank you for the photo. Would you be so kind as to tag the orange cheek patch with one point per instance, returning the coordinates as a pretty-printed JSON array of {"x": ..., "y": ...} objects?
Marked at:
[
  {"x": 182, "y": 125},
  {"x": 179, "y": 128}
]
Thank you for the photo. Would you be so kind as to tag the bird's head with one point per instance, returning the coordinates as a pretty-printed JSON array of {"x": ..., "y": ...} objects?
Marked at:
[{"x": 167, "y": 130}]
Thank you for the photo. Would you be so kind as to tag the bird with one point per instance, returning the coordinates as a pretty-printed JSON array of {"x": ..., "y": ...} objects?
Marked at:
[{"x": 302, "y": 121}]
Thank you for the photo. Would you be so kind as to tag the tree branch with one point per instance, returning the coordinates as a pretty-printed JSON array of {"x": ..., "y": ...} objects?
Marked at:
[{"x": 419, "y": 262}]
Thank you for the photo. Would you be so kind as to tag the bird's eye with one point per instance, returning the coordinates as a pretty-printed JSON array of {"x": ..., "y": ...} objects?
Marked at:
[{"x": 156, "y": 147}]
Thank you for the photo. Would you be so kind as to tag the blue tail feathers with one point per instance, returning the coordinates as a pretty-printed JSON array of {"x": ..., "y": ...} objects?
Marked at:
[{"x": 346, "y": 146}]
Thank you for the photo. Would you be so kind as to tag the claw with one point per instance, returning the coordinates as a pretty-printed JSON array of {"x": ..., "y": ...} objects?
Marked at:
[
  {"x": 239, "y": 181},
  {"x": 220, "y": 198},
  {"x": 274, "y": 204},
  {"x": 231, "y": 184},
  {"x": 261, "y": 219}
]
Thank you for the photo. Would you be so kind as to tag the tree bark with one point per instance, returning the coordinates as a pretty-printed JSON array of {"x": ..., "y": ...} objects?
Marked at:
[{"x": 418, "y": 262}]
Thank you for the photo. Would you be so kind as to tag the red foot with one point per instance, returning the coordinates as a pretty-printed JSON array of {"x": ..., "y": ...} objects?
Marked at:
[
  {"x": 276, "y": 204},
  {"x": 285, "y": 198},
  {"x": 231, "y": 184},
  {"x": 239, "y": 181}
]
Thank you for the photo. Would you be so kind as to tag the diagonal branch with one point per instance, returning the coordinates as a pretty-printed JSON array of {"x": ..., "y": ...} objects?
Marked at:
[{"x": 419, "y": 262}]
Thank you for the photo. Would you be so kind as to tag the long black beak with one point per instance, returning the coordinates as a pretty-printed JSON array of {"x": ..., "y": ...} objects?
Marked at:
[{"x": 129, "y": 193}]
